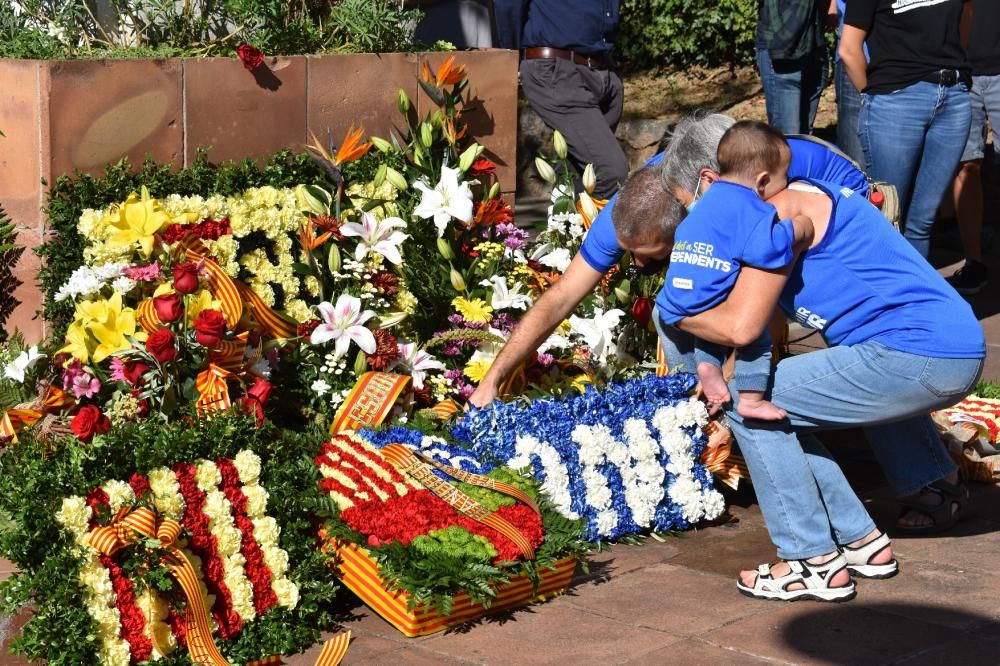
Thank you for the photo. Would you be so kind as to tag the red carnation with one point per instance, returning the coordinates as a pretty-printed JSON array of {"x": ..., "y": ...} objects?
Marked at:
[
  {"x": 306, "y": 328},
  {"x": 174, "y": 233},
  {"x": 642, "y": 310},
  {"x": 250, "y": 56},
  {"x": 169, "y": 307},
  {"x": 161, "y": 345},
  {"x": 89, "y": 422},
  {"x": 209, "y": 328},
  {"x": 186, "y": 278},
  {"x": 386, "y": 283},
  {"x": 386, "y": 350}
]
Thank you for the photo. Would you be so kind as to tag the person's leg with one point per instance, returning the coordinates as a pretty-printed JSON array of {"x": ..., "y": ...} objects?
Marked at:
[
  {"x": 709, "y": 359},
  {"x": 752, "y": 379},
  {"x": 782, "y": 83},
  {"x": 891, "y": 132},
  {"x": 815, "y": 77},
  {"x": 568, "y": 97},
  {"x": 943, "y": 145},
  {"x": 848, "y": 107}
]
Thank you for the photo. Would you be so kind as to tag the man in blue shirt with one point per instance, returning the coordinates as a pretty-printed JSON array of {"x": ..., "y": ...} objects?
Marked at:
[{"x": 567, "y": 75}]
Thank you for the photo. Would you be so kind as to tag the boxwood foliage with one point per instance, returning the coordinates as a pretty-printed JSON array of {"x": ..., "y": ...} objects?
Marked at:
[
  {"x": 36, "y": 475},
  {"x": 674, "y": 34},
  {"x": 62, "y": 253}
]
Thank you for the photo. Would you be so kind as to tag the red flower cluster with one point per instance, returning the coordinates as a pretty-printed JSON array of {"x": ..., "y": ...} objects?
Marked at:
[
  {"x": 133, "y": 620},
  {"x": 331, "y": 225},
  {"x": 89, "y": 421},
  {"x": 352, "y": 462},
  {"x": 257, "y": 571},
  {"x": 139, "y": 484},
  {"x": 420, "y": 512},
  {"x": 206, "y": 230},
  {"x": 386, "y": 350},
  {"x": 306, "y": 328},
  {"x": 205, "y": 546},
  {"x": 386, "y": 282}
]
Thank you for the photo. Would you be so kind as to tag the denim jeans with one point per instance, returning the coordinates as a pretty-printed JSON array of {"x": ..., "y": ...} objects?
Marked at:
[
  {"x": 848, "y": 107},
  {"x": 792, "y": 89},
  {"x": 808, "y": 505},
  {"x": 913, "y": 138},
  {"x": 753, "y": 362}
]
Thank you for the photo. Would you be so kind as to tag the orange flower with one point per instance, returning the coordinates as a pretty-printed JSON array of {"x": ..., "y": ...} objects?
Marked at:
[
  {"x": 599, "y": 204},
  {"x": 493, "y": 212},
  {"x": 447, "y": 74},
  {"x": 352, "y": 148},
  {"x": 308, "y": 238},
  {"x": 451, "y": 135}
]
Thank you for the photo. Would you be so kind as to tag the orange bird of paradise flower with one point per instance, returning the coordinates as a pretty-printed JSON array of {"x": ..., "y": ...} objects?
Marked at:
[
  {"x": 447, "y": 74},
  {"x": 351, "y": 149},
  {"x": 308, "y": 238}
]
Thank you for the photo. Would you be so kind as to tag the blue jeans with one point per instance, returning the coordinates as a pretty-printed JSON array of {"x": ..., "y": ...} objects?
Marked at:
[
  {"x": 808, "y": 505},
  {"x": 913, "y": 138},
  {"x": 848, "y": 108},
  {"x": 792, "y": 89}
]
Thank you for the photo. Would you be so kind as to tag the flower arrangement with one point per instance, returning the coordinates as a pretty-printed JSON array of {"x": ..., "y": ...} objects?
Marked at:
[
  {"x": 624, "y": 458},
  {"x": 426, "y": 546},
  {"x": 243, "y": 500}
]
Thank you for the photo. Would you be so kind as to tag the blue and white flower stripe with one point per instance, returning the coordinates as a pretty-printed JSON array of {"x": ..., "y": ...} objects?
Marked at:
[
  {"x": 624, "y": 458},
  {"x": 435, "y": 447}
]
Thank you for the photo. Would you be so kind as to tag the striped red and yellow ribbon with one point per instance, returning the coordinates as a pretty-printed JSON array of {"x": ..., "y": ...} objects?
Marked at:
[
  {"x": 54, "y": 400},
  {"x": 407, "y": 463},
  {"x": 229, "y": 354},
  {"x": 662, "y": 369},
  {"x": 212, "y": 389},
  {"x": 445, "y": 409},
  {"x": 369, "y": 402},
  {"x": 142, "y": 521},
  {"x": 223, "y": 287},
  {"x": 278, "y": 325},
  {"x": 719, "y": 458}
]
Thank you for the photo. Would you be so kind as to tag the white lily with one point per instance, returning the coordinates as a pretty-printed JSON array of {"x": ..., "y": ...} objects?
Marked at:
[
  {"x": 559, "y": 259},
  {"x": 343, "y": 323},
  {"x": 598, "y": 332},
  {"x": 504, "y": 297},
  {"x": 416, "y": 361},
  {"x": 17, "y": 368},
  {"x": 377, "y": 236},
  {"x": 449, "y": 199}
]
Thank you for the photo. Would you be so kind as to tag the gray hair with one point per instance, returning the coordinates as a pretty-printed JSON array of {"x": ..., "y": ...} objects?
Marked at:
[
  {"x": 692, "y": 147},
  {"x": 644, "y": 210}
]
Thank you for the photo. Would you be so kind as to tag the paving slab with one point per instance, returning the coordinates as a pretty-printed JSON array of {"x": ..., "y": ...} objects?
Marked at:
[
  {"x": 966, "y": 650},
  {"x": 694, "y": 652},
  {"x": 620, "y": 559},
  {"x": 668, "y": 598},
  {"x": 555, "y": 632},
  {"x": 815, "y": 633}
]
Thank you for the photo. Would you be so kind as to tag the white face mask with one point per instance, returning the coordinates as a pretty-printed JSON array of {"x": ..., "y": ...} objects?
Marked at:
[{"x": 697, "y": 194}]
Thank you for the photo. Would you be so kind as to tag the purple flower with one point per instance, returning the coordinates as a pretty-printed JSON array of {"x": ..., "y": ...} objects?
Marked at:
[
  {"x": 452, "y": 349},
  {"x": 456, "y": 319},
  {"x": 545, "y": 360},
  {"x": 504, "y": 321},
  {"x": 465, "y": 391},
  {"x": 453, "y": 375}
]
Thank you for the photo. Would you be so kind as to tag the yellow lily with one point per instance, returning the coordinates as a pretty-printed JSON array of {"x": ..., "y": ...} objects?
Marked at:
[
  {"x": 112, "y": 332},
  {"x": 203, "y": 300},
  {"x": 77, "y": 342},
  {"x": 137, "y": 220}
]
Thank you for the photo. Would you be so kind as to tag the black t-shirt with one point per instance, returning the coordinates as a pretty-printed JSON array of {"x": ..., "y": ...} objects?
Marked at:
[
  {"x": 984, "y": 42},
  {"x": 908, "y": 40}
]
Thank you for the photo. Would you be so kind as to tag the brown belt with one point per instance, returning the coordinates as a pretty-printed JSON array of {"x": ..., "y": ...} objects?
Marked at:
[{"x": 600, "y": 61}]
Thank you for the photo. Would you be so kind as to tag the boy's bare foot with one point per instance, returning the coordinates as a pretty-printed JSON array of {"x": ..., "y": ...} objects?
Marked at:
[
  {"x": 752, "y": 406},
  {"x": 713, "y": 384}
]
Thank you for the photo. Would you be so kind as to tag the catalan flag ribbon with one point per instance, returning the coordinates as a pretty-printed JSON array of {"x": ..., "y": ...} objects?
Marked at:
[{"x": 369, "y": 402}]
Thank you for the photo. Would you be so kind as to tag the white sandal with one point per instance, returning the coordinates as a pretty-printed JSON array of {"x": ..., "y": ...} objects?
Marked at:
[
  {"x": 814, "y": 578},
  {"x": 859, "y": 560}
]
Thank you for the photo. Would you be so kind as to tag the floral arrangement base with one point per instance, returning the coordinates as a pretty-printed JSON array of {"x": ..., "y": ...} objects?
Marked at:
[
  {"x": 971, "y": 431},
  {"x": 361, "y": 574}
]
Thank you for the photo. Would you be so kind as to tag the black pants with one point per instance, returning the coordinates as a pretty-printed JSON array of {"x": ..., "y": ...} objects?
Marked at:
[{"x": 585, "y": 105}]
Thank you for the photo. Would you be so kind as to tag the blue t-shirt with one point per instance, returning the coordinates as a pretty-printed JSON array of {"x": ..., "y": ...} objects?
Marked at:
[
  {"x": 864, "y": 281},
  {"x": 736, "y": 228},
  {"x": 809, "y": 160}
]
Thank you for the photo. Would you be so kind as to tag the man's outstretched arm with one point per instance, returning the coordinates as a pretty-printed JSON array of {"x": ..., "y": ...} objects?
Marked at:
[{"x": 537, "y": 324}]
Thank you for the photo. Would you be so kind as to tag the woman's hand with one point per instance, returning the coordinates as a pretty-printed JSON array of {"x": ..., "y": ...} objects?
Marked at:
[{"x": 484, "y": 394}]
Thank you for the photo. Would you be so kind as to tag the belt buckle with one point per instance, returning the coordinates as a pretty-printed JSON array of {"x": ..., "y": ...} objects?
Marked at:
[{"x": 948, "y": 77}]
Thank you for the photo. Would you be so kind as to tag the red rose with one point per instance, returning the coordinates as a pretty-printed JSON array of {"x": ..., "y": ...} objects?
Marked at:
[
  {"x": 642, "y": 310},
  {"x": 209, "y": 328},
  {"x": 89, "y": 422},
  {"x": 251, "y": 56},
  {"x": 169, "y": 307},
  {"x": 186, "y": 278},
  {"x": 135, "y": 371},
  {"x": 161, "y": 345}
]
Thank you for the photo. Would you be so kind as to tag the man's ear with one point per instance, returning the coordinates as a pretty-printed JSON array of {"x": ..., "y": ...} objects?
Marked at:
[
  {"x": 709, "y": 175},
  {"x": 761, "y": 182}
]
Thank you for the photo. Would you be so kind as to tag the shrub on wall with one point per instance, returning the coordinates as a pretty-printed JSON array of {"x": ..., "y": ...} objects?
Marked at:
[{"x": 681, "y": 33}]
